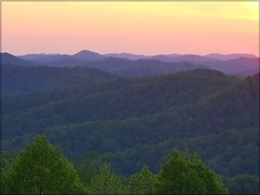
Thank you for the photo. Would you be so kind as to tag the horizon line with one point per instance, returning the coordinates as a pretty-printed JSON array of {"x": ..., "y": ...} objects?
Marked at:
[{"x": 125, "y": 52}]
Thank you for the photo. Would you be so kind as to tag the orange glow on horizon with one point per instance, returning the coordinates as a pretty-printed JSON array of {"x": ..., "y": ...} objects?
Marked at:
[{"x": 135, "y": 27}]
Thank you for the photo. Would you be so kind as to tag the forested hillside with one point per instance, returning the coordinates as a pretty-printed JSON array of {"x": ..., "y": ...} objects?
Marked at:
[
  {"x": 136, "y": 121},
  {"x": 41, "y": 168},
  {"x": 17, "y": 79}
]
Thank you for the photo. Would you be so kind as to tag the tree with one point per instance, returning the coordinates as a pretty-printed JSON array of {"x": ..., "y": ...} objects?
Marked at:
[
  {"x": 107, "y": 182},
  {"x": 42, "y": 169},
  {"x": 3, "y": 169},
  {"x": 87, "y": 167},
  {"x": 186, "y": 174},
  {"x": 142, "y": 183}
]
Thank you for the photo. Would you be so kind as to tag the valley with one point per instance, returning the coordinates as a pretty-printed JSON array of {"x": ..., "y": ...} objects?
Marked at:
[{"x": 134, "y": 112}]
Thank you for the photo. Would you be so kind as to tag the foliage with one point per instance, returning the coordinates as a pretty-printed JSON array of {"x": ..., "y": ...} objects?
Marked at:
[
  {"x": 142, "y": 183},
  {"x": 87, "y": 167},
  {"x": 42, "y": 169},
  {"x": 105, "y": 181},
  {"x": 18, "y": 79},
  {"x": 137, "y": 121},
  {"x": 243, "y": 184},
  {"x": 182, "y": 173},
  {"x": 186, "y": 174}
]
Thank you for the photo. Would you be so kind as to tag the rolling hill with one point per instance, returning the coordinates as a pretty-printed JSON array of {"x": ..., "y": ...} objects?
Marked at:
[
  {"x": 130, "y": 64},
  {"x": 18, "y": 79},
  {"x": 136, "y": 120}
]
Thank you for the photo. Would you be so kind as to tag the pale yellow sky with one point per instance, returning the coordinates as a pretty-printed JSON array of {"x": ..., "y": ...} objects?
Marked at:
[{"x": 136, "y": 27}]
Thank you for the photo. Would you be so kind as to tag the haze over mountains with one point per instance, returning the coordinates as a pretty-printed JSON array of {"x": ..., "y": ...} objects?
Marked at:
[
  {"x": 140, "y": 65},
  {"x": 132, "y": 121},
  {"x": 93, "y": 56},
  {"x": 133, "y": 109}
]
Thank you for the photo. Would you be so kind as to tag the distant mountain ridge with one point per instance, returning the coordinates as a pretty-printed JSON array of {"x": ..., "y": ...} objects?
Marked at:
[
  {"x": 225, "y": 57},
  {"x": 7, "y": 58},
  {"x": 125, "y": 55},
  {"x": 235, "y": 66},
  {"x": 88, "y": 55},
  {"x": 39, "y": 58},
  {"x": 241, "y": 64},
  {"x": 121, "y": 66},
  {"x": 92, "y": 56},
  {"x": 183, "y": 58}
]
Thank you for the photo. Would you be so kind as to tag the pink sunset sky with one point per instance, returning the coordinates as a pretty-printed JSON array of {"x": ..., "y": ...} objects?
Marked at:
[{"x": 146, "y": 28}]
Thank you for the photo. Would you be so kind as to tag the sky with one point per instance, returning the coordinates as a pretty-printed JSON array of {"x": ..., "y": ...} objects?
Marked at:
[{"x": 146, "y": 28}]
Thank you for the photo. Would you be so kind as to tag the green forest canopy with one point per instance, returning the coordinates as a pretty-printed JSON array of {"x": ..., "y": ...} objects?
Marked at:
[
  {"x": 135, "y": 121},
  {"x": 41, "y": 168}
]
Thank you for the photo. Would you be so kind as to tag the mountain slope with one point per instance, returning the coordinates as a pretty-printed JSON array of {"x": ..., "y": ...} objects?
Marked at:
[
  {"x": 87, "y": 55},
  {"x": 155, "y": 67},
  {"x": 208, "y": 96},
  {"x": 18, "y": 79},
  {"x": 196, "y": 59},
  {"x": 133, "y": 65},
  {"x": 236, "y": 66},
  {"x": 125, "y": 55},
  {"x": 135, "y": 121},
  {"x": 226, "y": 57},
  {"x": 7, "y": 58}
]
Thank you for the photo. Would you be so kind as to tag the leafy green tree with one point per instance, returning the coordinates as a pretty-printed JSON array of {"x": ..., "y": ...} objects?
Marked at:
[
  {"x": 186, "y": 174},
  {"x": 3, "y": 169},
  {"x": 42, "y": 169},
  {"x": 142, "y": 183},
  {"x": 107, "y": 182},
  {"x": 88, "y": 167}
]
